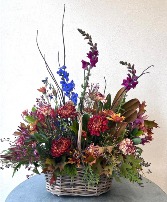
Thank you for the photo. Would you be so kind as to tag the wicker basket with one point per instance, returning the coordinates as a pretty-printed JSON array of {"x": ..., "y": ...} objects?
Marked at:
[
  {"x": 65, "y": 185},
  {"x": 76, "y": 186}
]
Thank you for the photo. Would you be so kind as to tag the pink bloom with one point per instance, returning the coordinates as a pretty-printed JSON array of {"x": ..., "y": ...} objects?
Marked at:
[
  {"x": 25, "y": 112},
  {"x": 127, "y": 147},
  {"x": 46, "y": 111}
]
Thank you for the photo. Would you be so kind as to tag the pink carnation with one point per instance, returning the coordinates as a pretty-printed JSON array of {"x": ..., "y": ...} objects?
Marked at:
[{"x": 127, "y": 147}]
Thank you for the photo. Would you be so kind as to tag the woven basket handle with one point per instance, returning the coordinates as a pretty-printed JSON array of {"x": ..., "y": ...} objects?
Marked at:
[{"x": 79, "y": 131}]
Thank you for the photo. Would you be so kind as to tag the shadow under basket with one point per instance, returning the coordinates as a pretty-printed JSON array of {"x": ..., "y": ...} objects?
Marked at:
[{"x": 75, "y": 186}]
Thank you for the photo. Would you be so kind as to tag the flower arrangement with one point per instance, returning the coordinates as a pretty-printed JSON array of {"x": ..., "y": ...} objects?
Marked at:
[{"x": 64, "y": 130}]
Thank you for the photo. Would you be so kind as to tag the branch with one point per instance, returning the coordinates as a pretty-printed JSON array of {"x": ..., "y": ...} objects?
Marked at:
[{"x": 49, "y": 70}]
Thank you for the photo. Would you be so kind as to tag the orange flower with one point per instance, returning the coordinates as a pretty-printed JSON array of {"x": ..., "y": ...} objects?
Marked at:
[
  {"x": 116, "y": 118},
  {"x": 42, "y": 90},
  {"x": 113, "y": 116}
]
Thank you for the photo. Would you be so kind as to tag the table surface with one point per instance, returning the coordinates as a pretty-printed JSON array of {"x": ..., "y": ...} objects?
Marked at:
[{"x": 34, "y": 190}]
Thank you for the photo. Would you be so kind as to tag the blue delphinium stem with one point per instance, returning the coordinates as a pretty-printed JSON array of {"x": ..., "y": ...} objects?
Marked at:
[{"x": 67, "y": 86}]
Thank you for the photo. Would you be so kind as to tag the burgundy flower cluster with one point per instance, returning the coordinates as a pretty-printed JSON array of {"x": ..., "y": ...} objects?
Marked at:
[
  {"x": 67, "y": 111},
  {"x": 97, "y": 124},
  {"x": 93, "y": 59},
  {"x": 60, "y": 146}
]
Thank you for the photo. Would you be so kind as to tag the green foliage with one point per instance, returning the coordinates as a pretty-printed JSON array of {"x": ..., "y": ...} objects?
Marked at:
[
  {"x": 33, "y": 109},
  {"x": 39, "y": 137},
  {"x": 30, "y": 119},
  {"x": 130, "y": 167},
  {"x": 69, "y": 170},
  {"x": 16, "y": 168},
  {"x": 35, "y": 170},
  {"x": 137, "y": 140},
  {"x": 90, "y": 176},
  {"x": 74, "y": 127},
  {"x": 136, "y": 133},
  {"x": 107, "y": 105},
  {"x": 85, "y": 120}
]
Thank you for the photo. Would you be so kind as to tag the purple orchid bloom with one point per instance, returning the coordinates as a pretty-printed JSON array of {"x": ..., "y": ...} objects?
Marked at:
[{"x": 130, "y": 82}]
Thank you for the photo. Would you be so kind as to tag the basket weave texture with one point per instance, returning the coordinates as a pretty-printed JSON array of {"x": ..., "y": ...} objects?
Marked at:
[{"x": 76, "y": 186}]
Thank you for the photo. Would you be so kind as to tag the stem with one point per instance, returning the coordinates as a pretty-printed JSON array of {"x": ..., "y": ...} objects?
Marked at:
[
  {"x": 63, "y": 35},
  {"x": 105, "y": 85},
  {"x": 58, "y": 58},
  {"x": 145, "y": 70},
  {"x": 86, "y": 78},
  {"x": 49, "y": 70}
]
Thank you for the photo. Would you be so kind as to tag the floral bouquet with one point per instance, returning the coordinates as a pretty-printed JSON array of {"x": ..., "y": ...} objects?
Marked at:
[{"x": 67, "y": 135}]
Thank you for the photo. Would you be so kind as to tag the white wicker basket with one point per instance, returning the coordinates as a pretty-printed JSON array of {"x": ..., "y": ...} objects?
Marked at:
[{"x": 66, "y": 185}]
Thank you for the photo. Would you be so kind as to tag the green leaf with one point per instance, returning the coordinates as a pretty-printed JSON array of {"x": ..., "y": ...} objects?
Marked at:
[
  {"x": 41, "y": 138},
  {"x": 135, "y": 130},
  {"x": 70, "y": 170},
  {"x": 137, "y": 140},
  {"x": 85, "y": 120},
  {"x": 33, "y": 109},
  {"x": 130, "y": 168},
  {"x": 107, "y": 105},
  {"x": 35, "y": 170},
  {"x": 124, "y": 168},
  {"x": 139, "y": 150},
  {"x": 136, "y": 133},
  {"x": 100, "y": 106},
  {"x": 30, "y": 119},
  {"x": 74, "y": 127},
  {"x": 16, "y": 168},
  {"x": 140, "y": 132}
]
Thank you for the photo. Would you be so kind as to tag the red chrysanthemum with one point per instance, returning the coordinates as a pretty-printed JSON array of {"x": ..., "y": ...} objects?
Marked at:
[
  {"x": 60, "y": 146},
  {"x": 67, "y": 111},
  {"x": 97, "y": 124}
]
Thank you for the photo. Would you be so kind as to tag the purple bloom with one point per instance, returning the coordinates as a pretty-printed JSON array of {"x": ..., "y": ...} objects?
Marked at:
[
  {"x": 93, "y": 61},
  {"x": 130, "y": 82},
  {"x": 85, "y": 64},
  {"x": 92, "y": 55}
]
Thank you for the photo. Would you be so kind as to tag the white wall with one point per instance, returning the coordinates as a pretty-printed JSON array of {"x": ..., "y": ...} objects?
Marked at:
[{"x": 128, "y": 30}]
